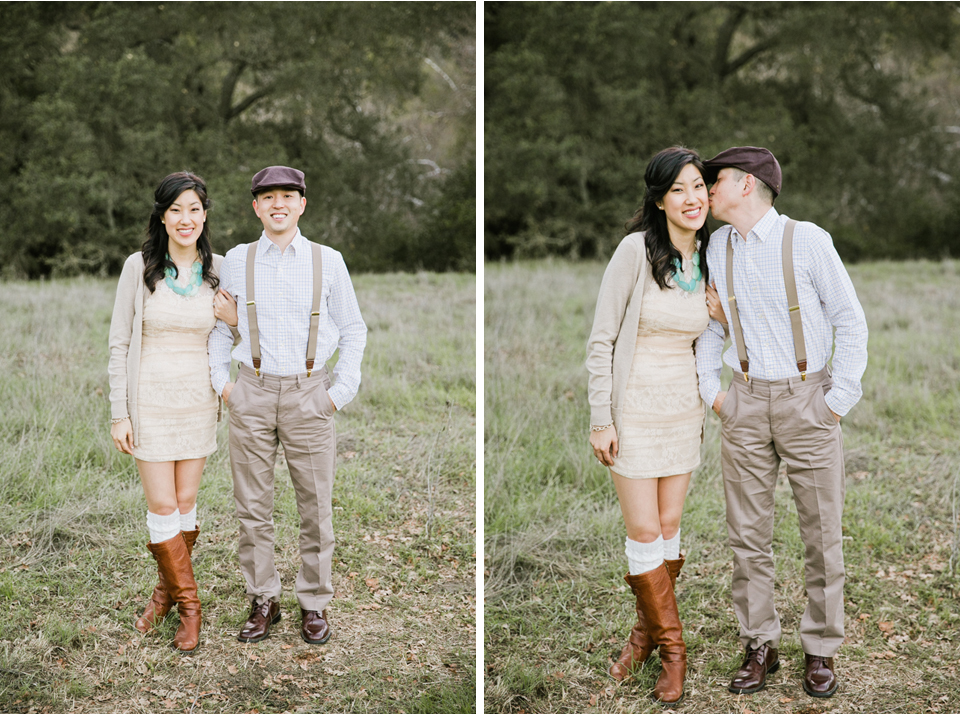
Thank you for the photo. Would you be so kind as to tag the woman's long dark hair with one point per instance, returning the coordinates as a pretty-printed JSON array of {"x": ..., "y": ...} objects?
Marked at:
[
  {"x": 154, "y": 248},
  {"x": 661, "y": 172}
]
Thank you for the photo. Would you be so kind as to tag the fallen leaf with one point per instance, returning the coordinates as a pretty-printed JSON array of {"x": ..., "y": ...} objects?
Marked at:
[
  {"x": 372, "y": 583},
  {"x": 885, "y": 626},
  {"x": 231, "y": 669},
  {"x": 785, "y": 700}
]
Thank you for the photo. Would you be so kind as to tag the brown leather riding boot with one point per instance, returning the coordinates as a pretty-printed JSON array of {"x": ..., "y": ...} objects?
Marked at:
[
  {"x": 659, "y": 605},
  {"x": 176, "y": 570},
  {"x": 161, "y": 602},
  {"x": 639, "y": 645}
]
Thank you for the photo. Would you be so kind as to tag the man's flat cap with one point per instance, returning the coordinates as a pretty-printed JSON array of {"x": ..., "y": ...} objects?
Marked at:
[
  {"x": 752, "y": 159},
  {"x": 274, "y": 176}
]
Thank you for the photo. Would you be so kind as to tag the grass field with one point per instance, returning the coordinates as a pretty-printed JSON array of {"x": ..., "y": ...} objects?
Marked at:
[
  {"x": 556, "y": 605},
  {"x": 75, "y": 572}
]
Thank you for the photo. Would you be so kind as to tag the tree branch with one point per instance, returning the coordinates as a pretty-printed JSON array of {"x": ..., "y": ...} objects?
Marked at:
[
  {"x": 249, "y": 100},
  {"x": 229, "y": 110},
  {"x": 747, "y": 55},
  {"x": 229, "y": 87},
  {"x": 725, "y": 38},
  {"x": 725, "y": 66}
]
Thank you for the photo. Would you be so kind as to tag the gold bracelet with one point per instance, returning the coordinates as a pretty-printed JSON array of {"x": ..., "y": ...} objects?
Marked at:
[
  {"x": 601, "y": 428},
  {"x": 117, "y": 421}
]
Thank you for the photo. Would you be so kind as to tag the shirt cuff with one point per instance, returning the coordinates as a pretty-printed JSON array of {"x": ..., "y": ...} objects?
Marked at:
[
  {"x": 709, "y": 393},
  {"x": 219, "y": 381},
  {"x": 337, "y": 397},
  {"x": 837, "y": 403}
]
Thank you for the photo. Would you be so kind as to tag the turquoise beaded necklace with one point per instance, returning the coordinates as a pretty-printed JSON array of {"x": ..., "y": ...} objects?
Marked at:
[
  {"x": 192, "y": 287},
  {"x": 688, "y": 285}
]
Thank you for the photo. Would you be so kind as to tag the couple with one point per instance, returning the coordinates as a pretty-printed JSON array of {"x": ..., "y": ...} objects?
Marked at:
[
  {"x": 657, "y": 328},
  {"x": 174, "y": 322}
]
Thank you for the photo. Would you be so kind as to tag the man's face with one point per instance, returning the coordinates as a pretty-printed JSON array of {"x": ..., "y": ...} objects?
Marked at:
[
  {"x": 726, "y": 194},
  {"x": 279, "y": 209}
]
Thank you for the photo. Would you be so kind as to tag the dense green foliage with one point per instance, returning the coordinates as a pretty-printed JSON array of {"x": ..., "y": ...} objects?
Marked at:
[
  {"x": 859, "y": 102},
  {"x": 99, "y": 101}
]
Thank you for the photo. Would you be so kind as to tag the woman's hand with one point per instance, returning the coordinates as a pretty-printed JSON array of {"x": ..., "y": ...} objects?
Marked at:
[
  {"x": 714, "y": 305},
  {"x": 225, "y": 307},
  {"x": 605, "y": 445},
  {"x": 122, "y": 435}
]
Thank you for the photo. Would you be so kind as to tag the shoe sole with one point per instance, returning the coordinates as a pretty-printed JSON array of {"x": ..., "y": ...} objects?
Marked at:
[
  {"x": 316, "y": 642},
  {"x": 668, "y": 705},
  {"x": 247, "y": 640},
  {"x": 821, "y": 695},
  {"x": 754, "y": 690}
]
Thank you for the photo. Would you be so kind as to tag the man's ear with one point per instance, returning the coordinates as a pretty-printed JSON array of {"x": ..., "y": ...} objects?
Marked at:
[{"x": 749, "y": 184}]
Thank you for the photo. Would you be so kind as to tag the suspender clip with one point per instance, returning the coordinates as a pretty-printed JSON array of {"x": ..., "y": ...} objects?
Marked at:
[
  {"x": 794, "y": 308},
  {"x": 802, "y": 366}
]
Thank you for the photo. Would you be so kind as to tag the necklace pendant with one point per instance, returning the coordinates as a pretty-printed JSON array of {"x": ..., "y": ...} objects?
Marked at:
[{"x": 695, "y": 276}]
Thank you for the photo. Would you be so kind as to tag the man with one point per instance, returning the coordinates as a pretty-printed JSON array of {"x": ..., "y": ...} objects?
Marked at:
[
  {"x": 279, "y": 398},
  {"x": 784, "y": 404}
]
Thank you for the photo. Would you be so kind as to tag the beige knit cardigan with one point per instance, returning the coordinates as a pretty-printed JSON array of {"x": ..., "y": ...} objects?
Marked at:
[
  {"x": 613, "y": 338},
  {"x": 126, "y": 337}
]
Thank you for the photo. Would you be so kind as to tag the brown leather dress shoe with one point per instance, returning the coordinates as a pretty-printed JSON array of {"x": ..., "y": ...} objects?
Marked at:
[
  {"x": 257, "y": 626},
  {"x": 315, "y": 630},
  {"x": 819, "y": 679},
  {"x": 752, "y": 675}
]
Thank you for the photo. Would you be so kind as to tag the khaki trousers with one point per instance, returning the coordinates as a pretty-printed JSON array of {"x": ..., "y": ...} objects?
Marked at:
[
  {"x": 294, "y": 411},
  {"x": 763, "y": 423}
]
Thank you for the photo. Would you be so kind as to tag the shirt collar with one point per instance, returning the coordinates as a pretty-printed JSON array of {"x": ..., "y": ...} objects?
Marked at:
[
  {"x": 764, "y": 228},
  {"x": 264, "y": 244}
]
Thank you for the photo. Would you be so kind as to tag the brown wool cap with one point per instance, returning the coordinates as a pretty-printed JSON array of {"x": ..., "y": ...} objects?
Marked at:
[
  {"x": 752, "y": 159},
  {"x": 273, "y": 176}
]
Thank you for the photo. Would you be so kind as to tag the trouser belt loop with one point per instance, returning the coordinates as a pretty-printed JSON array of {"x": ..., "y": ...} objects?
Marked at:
[
  {"x": 261, "y": 379},
  {"x": 298, "y": 381},
  {"x": 751, "y": 385},
  {"x": 790, "y": 384}
]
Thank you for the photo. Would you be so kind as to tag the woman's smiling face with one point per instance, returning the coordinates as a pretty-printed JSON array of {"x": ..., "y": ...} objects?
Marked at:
[
  {"x": 184, "y": 219},
  {"x": 686, "y": 202}
]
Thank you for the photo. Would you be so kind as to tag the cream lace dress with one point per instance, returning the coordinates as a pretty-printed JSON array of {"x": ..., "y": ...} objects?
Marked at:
[
  {"x": 662, "y": 413},
  {"x": 177, "y": 403}
]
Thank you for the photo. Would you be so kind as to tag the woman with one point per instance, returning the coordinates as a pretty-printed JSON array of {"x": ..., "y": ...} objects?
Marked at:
[
  {"x": 646, "y": 412},
  {"x": 164, "y": 408}
]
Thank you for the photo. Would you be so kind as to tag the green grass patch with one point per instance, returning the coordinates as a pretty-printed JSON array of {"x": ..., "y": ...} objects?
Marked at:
[
  {"x": 556, "y": 603},
  {"x": 74, "y": 568}
]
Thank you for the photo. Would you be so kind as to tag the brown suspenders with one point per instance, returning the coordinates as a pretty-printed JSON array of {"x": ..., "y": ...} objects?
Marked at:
[
  {"x": 793, "y": 302},
  {"x": 314, "y": 312}
]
